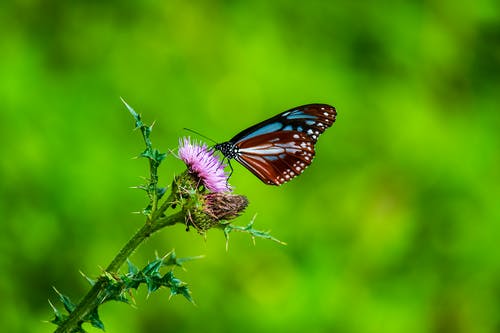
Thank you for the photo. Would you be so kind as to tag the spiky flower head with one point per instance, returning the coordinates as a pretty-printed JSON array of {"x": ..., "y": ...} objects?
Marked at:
[
  {"x": 216, "y": 209},
  {"x": 203, "y": 165}
]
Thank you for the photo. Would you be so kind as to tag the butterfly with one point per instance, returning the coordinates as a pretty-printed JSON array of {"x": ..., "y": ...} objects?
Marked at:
[{"x": 280, "y": 148}]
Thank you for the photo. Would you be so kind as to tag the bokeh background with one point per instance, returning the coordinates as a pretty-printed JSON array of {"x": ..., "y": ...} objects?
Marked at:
[{"x": 394, "y": 228}]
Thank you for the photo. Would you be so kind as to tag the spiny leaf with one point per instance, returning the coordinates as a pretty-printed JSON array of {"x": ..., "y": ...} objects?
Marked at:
[
  {"x": 59, "y": 317},
  {"x": 228, "y": 228},
  {"x": 152, "y": 284},
  {"x": 66, "y": 301},
  {"x": 89, "y": 280},
  {"x": 154, "y": 155},
  {"x": 118, "y": 287},
  {"x": 160, "y": 192},
  {"x": 137, "y": 117},
  {"x": 170, "y": 259},
  {"x": 132, "y": 269},
  {"x": 153, "y": 267},
  {"x": 94, "y": 319}
]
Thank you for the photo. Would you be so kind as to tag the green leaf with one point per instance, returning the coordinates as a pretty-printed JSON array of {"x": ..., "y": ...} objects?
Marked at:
[
  {"x": 154, "y": 155},
  {"x": 94, "y": 319},
  {"x": 177, "y": 287},
  {"x": 89, "y": 280},
  {"x": 59, "y": 317},
  {"x": 137, "y": 117},
  {"x": 170, "y": 259},
  {"x": 66, "y": 301},
  {"x": 152, "y": 284},
  {"x": 153, "y": 267},
  {"x": 160, "y": 192},
  {"x": 228, "y": 228},
  {"x": 132, "y": 269}
]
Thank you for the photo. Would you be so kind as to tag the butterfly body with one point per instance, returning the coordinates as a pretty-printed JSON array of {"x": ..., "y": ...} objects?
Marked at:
[{"x": 280, "y": 148}]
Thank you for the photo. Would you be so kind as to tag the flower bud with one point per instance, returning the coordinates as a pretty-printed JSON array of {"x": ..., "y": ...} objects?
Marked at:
[{"x": 216, "y": 208}]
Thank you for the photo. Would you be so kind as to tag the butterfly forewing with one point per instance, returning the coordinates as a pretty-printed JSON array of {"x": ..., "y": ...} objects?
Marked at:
[{"x": 312, "y": 119}]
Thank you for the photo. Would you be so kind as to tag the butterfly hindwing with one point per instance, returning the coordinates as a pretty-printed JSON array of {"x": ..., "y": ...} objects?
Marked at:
[{"x": 275, "y": 158}]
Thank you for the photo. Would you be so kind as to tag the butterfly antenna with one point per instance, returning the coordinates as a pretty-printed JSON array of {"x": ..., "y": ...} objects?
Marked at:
[{"x": 198, "y": 133}]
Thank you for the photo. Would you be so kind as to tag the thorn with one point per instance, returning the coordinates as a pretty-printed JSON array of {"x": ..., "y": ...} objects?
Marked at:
[
  {"x": 168, "y": 254},
  {"x": 132, "y": 298},
  {"x": 57, "y": 291},
  {"x": 52, "y": 306},
  {"x": 128, "y": 106},
  {"x": 89, "y": 280},
  {"x": 132, "y": 111}
]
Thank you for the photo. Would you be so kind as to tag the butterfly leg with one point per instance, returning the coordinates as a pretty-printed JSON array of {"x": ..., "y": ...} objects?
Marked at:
[{"x": 230, "y": 174}]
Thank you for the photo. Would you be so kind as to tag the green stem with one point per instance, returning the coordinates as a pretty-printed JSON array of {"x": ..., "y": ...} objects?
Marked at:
[{"x": 93, "y": 299}]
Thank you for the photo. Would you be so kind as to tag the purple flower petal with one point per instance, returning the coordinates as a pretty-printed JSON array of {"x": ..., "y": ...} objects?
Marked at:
[{"x": 204, "y": 164}]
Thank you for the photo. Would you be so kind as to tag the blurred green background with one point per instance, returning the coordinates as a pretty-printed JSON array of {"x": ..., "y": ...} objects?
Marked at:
[{"x": 394, "y": 228}]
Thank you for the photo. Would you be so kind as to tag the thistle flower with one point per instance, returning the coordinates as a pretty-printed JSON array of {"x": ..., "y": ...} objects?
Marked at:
[{"x": 203, "y": 165}]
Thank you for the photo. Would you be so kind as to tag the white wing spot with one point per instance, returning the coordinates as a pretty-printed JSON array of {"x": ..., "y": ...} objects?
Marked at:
[
  {"x": 296, "y": 136},
  {"x": 309, "y": 131},
  {"x": 325, "y": 114}
]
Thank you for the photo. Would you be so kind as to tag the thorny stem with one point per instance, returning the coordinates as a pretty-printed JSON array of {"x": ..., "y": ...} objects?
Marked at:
[
  {"x": 155, "y": 220},
  {"x": 94, "y": 296}
]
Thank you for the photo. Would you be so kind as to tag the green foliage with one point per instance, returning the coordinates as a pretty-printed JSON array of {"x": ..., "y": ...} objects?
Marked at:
[
  {"x": 118, "y": 287},
  {"x": 155, "y": 158},
  {"x": 249, "y": 229}
]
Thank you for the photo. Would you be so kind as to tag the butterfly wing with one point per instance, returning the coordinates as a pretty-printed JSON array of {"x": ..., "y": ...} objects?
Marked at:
[
  {"x": 311, "y": 119},
  {"x": 276, "y": 157},
  {"x": 281, "y": 147}
]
